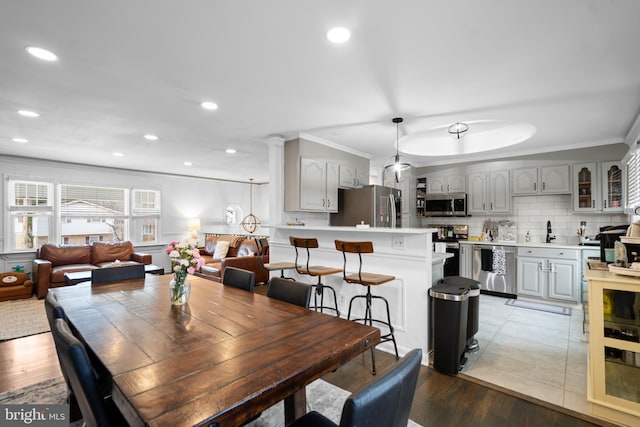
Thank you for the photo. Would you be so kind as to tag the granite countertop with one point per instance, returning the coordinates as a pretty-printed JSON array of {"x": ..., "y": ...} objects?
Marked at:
[
  {"x": 399, "y": 230},
  {"x": 531, "y": 244}
]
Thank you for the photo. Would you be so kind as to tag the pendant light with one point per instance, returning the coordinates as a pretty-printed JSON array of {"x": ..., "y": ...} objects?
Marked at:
[
  {"x": 250, "y": 223},
  {"x": 399, "y": 167}
]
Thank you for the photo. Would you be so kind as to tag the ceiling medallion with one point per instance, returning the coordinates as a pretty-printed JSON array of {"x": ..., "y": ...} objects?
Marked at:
[{"x": 458, "y": 129}]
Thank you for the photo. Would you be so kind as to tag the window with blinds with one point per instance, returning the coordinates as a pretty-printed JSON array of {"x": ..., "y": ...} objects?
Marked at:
[
  {"x": 146, "y": 215},
  {"x": 633, "y": 181},
  {"x": 79, "y": 200},
  {"x": 30, "y": 206}
]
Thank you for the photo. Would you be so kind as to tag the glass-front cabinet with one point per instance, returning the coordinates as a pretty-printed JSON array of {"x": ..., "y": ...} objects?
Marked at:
[
  {"x": 614, "y": 347},
  {"x": 585, "y": 187},
  {"x": 612, "y": 187}
]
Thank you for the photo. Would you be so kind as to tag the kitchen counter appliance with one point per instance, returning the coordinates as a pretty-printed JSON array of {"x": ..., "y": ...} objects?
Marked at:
[
  {"x": 494, "y": 267},
  {"x": 450, "y": 235},
  {"x": 374, "y": 205},
  {"x": 453, "y": 204}
]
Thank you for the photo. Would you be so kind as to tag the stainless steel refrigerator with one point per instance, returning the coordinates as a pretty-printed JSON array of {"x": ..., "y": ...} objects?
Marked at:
[{"x": 375, "y": 205}]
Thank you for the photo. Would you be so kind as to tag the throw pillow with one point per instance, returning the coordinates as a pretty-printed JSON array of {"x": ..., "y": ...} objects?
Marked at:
[{"x": 222, "y": 248}]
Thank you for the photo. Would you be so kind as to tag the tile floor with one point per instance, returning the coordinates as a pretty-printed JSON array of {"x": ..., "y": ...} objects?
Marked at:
[{"x": 540, "y": 354}]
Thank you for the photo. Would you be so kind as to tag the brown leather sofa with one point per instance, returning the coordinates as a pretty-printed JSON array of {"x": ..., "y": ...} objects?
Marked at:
[
  {"x": 15, "y": 286},
  {"x": 242, "y": 253},
  {"x": 52, "y": 261}
]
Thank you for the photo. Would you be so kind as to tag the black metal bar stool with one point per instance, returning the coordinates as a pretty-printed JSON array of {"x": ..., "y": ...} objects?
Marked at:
[
  {"x": 315, "y": 270},
  {"x": 368, "y": 280}
]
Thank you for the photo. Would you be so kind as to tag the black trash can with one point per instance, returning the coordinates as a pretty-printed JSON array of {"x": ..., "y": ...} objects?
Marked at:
[
  {"x": 449, "y": 314},
  {"x": 474, "y": 307}
]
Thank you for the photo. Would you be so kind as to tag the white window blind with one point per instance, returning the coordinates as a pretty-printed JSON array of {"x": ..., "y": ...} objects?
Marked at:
[
  {"x": 30, "y": 196},
  {"x": 146, "y": 203},
  {"x": 84, "y": 201},
  {"x": 633, "y": 180}
]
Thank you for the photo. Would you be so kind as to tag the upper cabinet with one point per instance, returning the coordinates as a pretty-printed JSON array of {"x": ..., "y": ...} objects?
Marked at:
[
  {"x": 443, "y": 184},
  {"x": 351, "y": 176},
  {"x": 613, "y": 187},
  {"x": 318, "y": 185},
  {"x": 598, "y": 187},
  {"x": 489, "y": 192},
  {"x": 314, "y": 171},
  {"x": 543, "y": 180}
]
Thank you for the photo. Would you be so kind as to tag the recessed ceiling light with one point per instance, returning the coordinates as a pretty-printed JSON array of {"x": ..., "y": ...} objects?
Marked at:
[
  {"x": 338, "y": 35},
  {"x": 117, "y": 154},
  {"x": 27, "y": 113},
  {"x": 41, "y": 53},
  {"x": 151, "y": 137},
  {"x": 20, "y": 140},
  {"x": 230, "y": 151},
  {"x": 207, "y": 105},
  {"x": 188, "y": 163}
]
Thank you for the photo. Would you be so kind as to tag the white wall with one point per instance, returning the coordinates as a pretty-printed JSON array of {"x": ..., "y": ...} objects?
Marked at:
[{"x": 182, "y": 197}]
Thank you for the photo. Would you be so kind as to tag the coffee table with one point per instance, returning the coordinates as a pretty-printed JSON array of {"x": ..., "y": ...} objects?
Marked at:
[{"x": 73, "y": 278}]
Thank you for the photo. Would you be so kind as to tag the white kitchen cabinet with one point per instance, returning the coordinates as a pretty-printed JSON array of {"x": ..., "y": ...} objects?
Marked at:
[
  {"x": 586, "y": 194},
  {"x": 352, "y": 177},
  {"x": 319, "y": 185},
  {"x": 489, "y": 192},
  {"x": 549, "y": 273},
  {"x": 542, "y": 180},
  {"x": 466, "y": 254},
  {"x": 598, "y": 187},
  {"x": 446, "y": 184},
  {"x": 613, "y": 186}
]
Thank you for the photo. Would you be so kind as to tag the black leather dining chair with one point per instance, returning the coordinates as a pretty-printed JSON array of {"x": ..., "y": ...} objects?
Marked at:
[
  {"x": 239, "y": 278},
  {"x": 288, "y": 290},
  {"x": 115, "y": 274},
  {"x": 384, "y": 402},
  {"x": 84, "y": 380},
  {"x": 53, "y": 309}
]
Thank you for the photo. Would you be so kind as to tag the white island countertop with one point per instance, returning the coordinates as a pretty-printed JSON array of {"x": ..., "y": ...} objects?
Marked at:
[
  {"x": 358, "y": 229},
  {"x": 529, "y": 244}
]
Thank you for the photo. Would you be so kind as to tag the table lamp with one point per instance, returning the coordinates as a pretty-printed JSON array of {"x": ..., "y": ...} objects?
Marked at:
[{"x": 194, "y": 226}]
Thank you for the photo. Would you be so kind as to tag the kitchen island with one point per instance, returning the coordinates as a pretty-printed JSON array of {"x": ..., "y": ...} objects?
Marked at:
[{"x": 405, "y": 253}]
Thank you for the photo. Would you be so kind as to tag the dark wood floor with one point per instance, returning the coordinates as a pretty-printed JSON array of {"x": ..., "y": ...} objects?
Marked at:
[{"x": 440, "y": 400}]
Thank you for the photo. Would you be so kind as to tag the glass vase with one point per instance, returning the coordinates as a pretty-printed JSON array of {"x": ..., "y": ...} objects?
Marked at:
[{"x": 179, "y": 289}]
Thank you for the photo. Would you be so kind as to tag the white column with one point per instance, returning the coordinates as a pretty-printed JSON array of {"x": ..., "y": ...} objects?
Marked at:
[{"x": 276, "y": 181}]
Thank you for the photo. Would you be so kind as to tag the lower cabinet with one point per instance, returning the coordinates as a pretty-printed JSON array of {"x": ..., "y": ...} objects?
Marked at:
[
  {"x": 466, "y": 254},
  {"x": 549, "y": 273}
]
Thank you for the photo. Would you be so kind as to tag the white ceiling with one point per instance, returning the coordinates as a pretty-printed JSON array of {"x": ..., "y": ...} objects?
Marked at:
[{"x": 571, "y": 68}]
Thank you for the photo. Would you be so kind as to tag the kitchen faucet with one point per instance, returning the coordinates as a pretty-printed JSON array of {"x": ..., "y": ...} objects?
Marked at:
[{"x": 549, "y": 236}]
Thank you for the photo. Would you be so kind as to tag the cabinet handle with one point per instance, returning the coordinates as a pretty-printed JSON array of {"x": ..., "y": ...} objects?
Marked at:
[
  {"x": 593, "y": 203},
  {"x": 544, "y": 185},
  {"x": 604, "y": 203},
  {"x": 535, "y": 186},
  {"x": 491, "y": 206},
  {"x": 448, "y": 188},
  {"x": 328, "y": 203},
  {"x": 323, "y": 202}
]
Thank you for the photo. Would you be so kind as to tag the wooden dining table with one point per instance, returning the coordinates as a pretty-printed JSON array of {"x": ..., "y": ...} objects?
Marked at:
[{"x": 220, "y": 360}]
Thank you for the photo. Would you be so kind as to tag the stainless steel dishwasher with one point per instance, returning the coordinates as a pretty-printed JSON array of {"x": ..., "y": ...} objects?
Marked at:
[{"x": 499, "y": 279}]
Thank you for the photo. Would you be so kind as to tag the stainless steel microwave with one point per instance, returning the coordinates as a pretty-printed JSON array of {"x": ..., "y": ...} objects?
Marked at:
[{"x": 452, "y": 204}]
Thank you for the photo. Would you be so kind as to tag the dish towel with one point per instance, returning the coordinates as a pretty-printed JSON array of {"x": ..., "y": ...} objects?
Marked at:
[
  {"x": 499, "y": 262},
  {"x": 486, "y": 260}
]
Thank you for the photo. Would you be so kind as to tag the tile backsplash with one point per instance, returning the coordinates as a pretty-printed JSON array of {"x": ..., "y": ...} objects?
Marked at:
[{"x": 531, "y": 213}]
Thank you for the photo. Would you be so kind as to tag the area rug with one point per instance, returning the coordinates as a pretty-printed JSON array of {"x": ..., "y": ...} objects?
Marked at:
[
  {"x": 21, "y": 318},
  {"x": 53, "y": 391},
  {"x": 539, "y": 306},
  {"x": 321, "y": 396}
]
